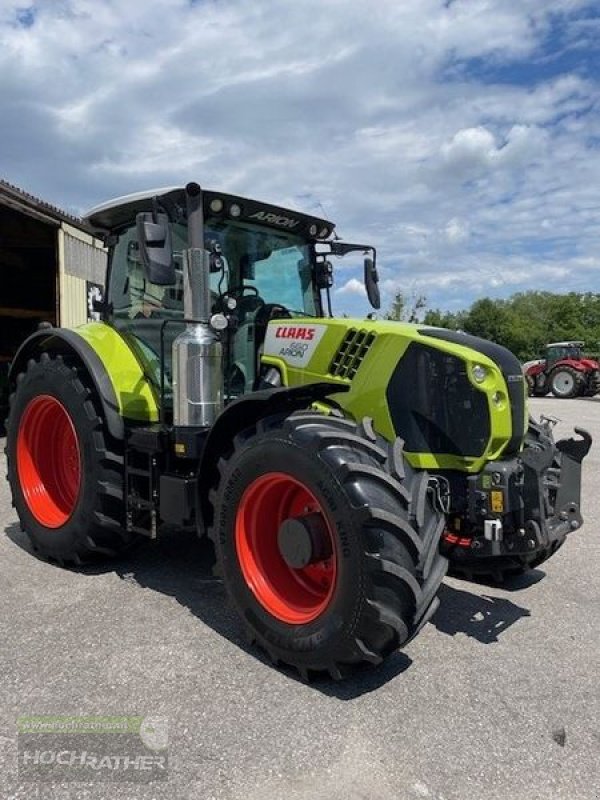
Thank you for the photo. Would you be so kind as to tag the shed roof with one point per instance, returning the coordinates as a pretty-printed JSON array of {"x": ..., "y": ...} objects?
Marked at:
[{"x": 15, "y": 197}]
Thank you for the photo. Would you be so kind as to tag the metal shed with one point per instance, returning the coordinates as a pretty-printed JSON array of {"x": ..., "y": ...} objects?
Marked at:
[{"x": 51, "y": 266}]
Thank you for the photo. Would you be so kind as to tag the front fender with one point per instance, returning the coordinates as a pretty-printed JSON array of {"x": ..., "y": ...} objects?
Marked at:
[{"x": 243, "y": 413}]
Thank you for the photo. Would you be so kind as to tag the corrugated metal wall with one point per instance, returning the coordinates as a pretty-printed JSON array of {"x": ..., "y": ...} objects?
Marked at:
[{"x": 82, "y": 261}]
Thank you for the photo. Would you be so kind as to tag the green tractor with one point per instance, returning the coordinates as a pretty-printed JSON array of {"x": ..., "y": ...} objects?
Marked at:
[{"x": 336, "y": 464}]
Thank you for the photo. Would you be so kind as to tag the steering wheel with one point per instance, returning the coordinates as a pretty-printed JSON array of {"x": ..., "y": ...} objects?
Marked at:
[{"x": 269, "y": 311}]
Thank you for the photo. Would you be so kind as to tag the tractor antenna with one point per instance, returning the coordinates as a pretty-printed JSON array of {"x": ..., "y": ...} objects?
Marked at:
[{"x": 321, "y": 207}]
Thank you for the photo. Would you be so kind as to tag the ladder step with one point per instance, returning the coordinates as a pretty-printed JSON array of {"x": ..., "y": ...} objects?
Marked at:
[
  {"x": 139, "y": 503},
  {"x": 141, "y": 531}
]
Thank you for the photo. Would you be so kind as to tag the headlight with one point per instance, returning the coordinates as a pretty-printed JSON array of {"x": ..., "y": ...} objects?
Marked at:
[{"x": 479, "y": 373}]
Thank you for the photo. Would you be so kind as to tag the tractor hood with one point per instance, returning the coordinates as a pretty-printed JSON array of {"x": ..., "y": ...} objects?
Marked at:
[{"x": 457, "y": 401}]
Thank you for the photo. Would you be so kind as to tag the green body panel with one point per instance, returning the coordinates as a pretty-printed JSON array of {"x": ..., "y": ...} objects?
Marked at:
[
  {"x": 134, "y": 378},
  {"x": 367, "y": 394},
  {"x": 129, "y": 374}
]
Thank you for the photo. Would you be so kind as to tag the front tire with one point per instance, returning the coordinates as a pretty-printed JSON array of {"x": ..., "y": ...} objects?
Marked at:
[
  {"x": 327, "y": 542},
  {"x": 64, "y": 469},
  {"x": 534, "y": 389}
]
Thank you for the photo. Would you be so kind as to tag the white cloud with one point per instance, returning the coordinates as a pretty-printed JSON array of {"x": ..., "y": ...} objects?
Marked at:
[
  {"x": 468, "y": 176},
  {"x": 471, "y": 147},
  {"x": 155, "y": 150},
  {"x": 456, "y": 231},
  {"x": 353, "y": 286}
]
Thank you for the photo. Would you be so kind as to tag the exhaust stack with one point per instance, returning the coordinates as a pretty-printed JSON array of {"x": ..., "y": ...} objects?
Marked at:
[{"x": 197, "y": 351}]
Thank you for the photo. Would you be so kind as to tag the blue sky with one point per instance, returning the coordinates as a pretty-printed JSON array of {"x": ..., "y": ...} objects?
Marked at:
[{"x": 462, "y": 139}]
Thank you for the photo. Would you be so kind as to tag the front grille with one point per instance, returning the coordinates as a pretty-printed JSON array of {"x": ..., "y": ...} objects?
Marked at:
[
  {"x": 434, "y": 406},
  {"x": 511, "y": 371},
  {"x": 350, "y": 353}
]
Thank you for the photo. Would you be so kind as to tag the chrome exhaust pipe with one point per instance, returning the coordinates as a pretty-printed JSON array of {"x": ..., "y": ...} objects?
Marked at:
[{"x": 197, "y": 351}]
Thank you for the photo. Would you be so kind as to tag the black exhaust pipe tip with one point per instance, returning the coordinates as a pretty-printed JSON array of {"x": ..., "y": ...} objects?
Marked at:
[{"x": 193, "y": 189}]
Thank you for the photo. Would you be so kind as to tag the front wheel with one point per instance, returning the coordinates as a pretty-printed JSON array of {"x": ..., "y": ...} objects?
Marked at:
[
  {"x": 327, "y": 542},
  {"x": 535, "y": 389}
]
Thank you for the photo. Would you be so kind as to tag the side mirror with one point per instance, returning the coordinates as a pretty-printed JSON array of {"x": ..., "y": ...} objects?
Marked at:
[
  {"x": 372, "y": 283},
  {"x": 154, "y": 237}
]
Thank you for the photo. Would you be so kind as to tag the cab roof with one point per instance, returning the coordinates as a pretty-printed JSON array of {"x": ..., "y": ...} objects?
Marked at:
[{"x": 120, "y": 212}]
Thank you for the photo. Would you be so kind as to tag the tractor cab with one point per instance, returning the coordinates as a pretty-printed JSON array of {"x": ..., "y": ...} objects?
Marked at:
[
  {"x": 558, "y": 351},
  {"x": 265, "y": 263}
]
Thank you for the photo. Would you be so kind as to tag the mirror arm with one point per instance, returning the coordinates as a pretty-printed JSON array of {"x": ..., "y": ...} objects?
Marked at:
[{"x": 343, "y": 248}]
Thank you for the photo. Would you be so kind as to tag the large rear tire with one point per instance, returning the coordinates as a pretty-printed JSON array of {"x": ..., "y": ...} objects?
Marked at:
[
  {"x": 327, "y": 542},
  {"x": 64, "y": 469},
  {"x": 566, "y": 382}
]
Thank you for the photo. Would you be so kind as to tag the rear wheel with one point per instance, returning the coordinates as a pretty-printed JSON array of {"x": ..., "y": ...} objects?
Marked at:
[
  {"x": 327, "y": 542},
  {"x": 566, "y": 382},
  {"x": 65, "y": 471}
]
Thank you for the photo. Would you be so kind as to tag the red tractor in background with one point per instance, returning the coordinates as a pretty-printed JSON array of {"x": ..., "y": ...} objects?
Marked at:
[{"x": 564, "y": 371}]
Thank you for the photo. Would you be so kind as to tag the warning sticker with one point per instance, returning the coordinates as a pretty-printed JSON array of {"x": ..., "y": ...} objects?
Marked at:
[
  {"x": 295, "y": 344},
  {"x": 497, "y": 502}
]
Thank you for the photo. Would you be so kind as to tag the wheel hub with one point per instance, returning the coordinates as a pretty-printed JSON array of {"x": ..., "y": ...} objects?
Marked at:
[
  {"x": 303, "y": 541},
  {"x": 564, "y": 382}
]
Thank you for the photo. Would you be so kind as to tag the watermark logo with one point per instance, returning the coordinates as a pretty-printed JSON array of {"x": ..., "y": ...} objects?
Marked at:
[{"x": 93, "y": 748}]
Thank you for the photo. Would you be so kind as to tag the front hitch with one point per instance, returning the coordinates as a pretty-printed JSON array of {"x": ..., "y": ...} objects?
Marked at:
[
  {"x": 519, "y": 511},
  {"x": 552, "y": 482}
]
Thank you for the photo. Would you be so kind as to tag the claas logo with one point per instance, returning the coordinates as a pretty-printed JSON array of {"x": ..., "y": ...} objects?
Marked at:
[{"x": 285, "y": 332}]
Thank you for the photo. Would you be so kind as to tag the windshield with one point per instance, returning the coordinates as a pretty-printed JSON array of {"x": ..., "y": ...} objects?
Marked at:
[
  {"x": 276, "y": 264},
  {"x": 564, "y": 351}
]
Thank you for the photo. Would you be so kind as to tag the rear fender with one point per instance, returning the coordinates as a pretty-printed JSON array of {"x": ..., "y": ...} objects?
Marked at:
[{"x": 122, "y": 388}]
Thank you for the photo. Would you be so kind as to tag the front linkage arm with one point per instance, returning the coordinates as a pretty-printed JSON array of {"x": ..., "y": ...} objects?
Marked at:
[{"x": 552, "y": 482}]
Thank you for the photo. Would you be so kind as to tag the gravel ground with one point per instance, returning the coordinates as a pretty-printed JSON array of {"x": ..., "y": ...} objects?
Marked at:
[{"x": 497, "y": 698}]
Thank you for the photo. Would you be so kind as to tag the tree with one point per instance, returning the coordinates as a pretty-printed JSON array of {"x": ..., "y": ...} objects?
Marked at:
[
  {"x": 527, "y": 321},
  {"x": 444, "y": 319},
  {"x": 404, "y": 309}
]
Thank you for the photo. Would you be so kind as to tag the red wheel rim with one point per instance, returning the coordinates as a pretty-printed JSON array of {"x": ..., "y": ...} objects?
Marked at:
[
  {"x": 295, "y": 596},
  {"x": 48, "y": 461}
]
